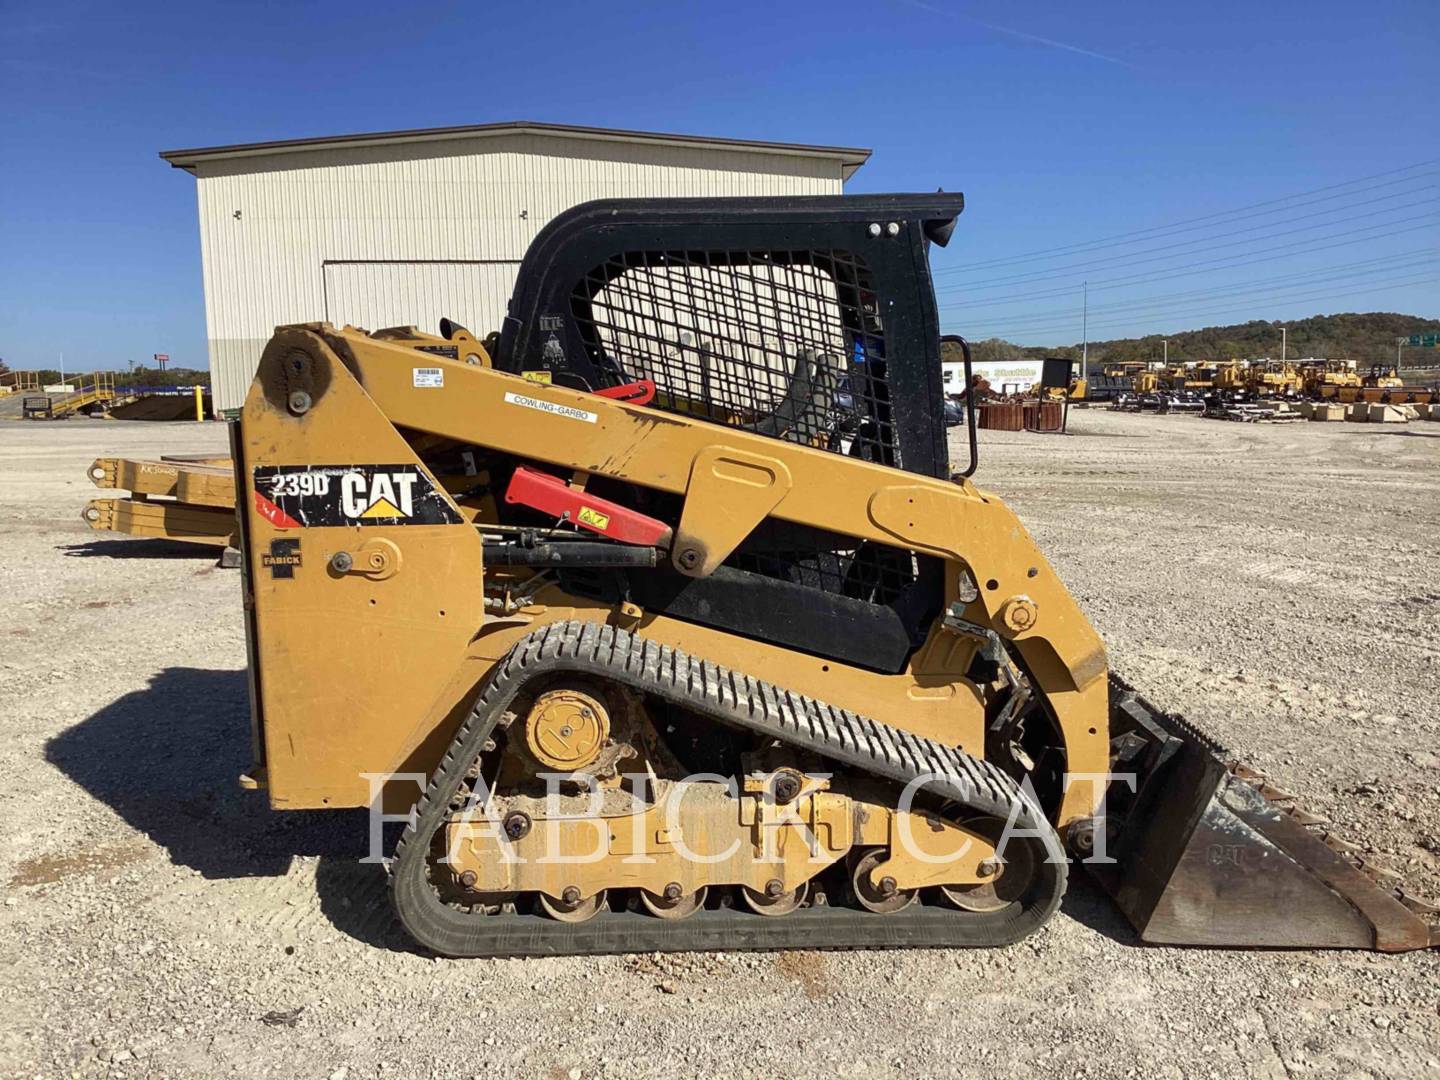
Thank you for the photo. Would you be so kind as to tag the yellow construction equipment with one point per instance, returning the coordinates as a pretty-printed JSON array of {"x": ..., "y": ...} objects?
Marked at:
[
  {"x": 1177, "y": 388},
  {"x": 1273, "y": 378},
  {"x": 1188, "y": 377},
  {"x": 1383, "y": 384},
  {"x": 666, "y": 622},
  {"x": 1383, "y": 377},
  {"x": 1222, "y": 377},
  {"x": 1326, "y": 379},
  {"x": 191, "y": 499},
  {"x": 1229, "y": 376}
]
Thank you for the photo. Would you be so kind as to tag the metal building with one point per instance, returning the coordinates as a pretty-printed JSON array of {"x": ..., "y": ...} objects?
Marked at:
[{"x": 405, "y": 227}]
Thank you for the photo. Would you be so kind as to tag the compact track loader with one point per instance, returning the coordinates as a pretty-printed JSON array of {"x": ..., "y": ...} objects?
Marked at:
[{"x": 667, "y": 623}]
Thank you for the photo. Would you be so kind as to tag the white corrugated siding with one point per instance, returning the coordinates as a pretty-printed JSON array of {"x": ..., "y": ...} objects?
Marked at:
[
  {"x": 409, "y": 232},
  {"x": 379, "y": 294}
]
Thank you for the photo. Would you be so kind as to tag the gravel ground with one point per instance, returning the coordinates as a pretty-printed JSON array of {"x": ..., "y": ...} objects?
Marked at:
[{"x": 1277, "y": 584}]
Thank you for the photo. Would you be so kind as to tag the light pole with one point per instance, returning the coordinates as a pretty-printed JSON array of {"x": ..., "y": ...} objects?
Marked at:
[
  {"x": 1282, "y": 343},
  {"x": 1085, "y": 329},
  {"x": 1165, "y": 344}
]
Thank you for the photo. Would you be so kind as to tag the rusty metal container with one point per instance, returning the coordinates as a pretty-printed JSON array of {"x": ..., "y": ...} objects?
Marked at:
[
  {"x": 1002, "y": 416},
  {"x": 1044, "y": 416}
]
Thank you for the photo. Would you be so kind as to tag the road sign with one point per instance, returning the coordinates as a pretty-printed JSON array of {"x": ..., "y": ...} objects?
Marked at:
[{"x": 1423, "y": 341}]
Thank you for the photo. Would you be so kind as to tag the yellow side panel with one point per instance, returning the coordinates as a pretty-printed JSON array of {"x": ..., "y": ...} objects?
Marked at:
[{"x": 349, "y": 651}]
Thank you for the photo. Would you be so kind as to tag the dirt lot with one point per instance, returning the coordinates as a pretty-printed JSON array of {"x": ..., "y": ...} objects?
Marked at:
[{"x": 1278, "y": 584}]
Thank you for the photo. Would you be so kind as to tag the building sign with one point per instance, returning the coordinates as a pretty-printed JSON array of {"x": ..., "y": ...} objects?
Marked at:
[{"x": 1004, "y": 377}]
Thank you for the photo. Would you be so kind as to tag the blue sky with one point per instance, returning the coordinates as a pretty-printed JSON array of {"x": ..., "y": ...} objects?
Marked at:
[{"x": 1066, "y": 124}]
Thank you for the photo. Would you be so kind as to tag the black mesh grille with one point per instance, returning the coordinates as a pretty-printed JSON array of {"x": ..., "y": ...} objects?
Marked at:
[
  {"x": 807, "y": 319},
  {"x": 788, "y": 344}
]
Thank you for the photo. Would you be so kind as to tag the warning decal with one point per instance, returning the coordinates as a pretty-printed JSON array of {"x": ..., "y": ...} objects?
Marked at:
[
  {"x": 307, "y": 496},
  {"x": 594, "y": 518}
]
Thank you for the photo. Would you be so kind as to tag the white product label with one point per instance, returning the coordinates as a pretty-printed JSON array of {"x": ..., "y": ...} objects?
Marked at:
[
  {"x": 550, "y": 407},
  {"x": 430, "y": 378}
]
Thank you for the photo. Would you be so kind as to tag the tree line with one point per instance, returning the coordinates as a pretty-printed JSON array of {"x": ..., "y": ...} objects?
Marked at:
[
  {"x": 139, "y": 376},
  {"x": 1367, "y": 338}
]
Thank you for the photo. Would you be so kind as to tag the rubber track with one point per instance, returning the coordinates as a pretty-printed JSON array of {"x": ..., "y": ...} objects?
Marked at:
[{"x": 597, "y": 650}]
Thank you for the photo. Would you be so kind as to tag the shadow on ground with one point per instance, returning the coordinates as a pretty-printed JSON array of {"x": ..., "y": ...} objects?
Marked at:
[
  {"x": 142, "y": 549},
  {"x": 167, "y": 760},
  {"x": 1388, "y": 429},
  {"x": 1091, "y": 906}
]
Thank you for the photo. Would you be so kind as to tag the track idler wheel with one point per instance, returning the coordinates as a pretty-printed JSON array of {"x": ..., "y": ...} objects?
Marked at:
[
  {"x": 881, "y": 897},
  {"x": 571, "y": 908},
  {"x": 1011, "y": 877},
  {"x": 673, "y": 904},
  {"x": 773, "y": 900}
]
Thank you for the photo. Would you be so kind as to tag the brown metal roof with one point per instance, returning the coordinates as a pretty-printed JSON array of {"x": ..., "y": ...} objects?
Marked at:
[{"x": 851, "y": 158}]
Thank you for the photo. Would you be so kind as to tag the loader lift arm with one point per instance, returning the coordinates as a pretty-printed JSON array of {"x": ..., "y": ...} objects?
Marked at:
[{"x": 730, "y": 480}]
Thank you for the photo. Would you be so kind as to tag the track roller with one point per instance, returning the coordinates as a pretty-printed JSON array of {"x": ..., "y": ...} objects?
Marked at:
[
  {"x": 673, "y": 904},
  {"x": 773, "y": 900},
  {"x": 881, "y": 897},
  {"x": 571, "y": 909},
  {"x": 1012, "y": 874}
]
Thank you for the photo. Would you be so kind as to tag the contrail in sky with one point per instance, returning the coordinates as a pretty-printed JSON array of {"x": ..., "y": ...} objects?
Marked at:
[{"x": 1020, "y": 34}]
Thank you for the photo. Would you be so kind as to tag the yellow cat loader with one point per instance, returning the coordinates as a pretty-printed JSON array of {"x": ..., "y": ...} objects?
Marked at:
[{"x": 665, "y": 622}]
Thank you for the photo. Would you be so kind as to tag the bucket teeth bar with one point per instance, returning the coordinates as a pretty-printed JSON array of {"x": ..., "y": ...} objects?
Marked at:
[
  {"x": 1207, "y": 852},
  {"x": 1282, "y": 800}
]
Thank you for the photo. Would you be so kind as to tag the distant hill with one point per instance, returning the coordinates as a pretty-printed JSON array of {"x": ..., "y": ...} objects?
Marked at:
[{"x": 1365, "y": 338}]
